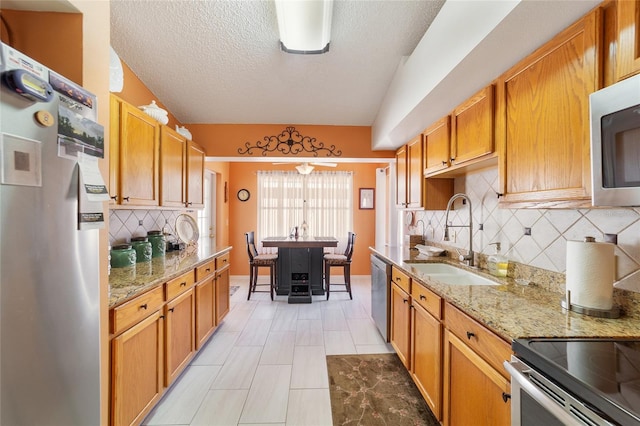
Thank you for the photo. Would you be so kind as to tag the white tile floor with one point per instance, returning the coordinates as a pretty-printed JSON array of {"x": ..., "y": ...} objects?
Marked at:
[{"x": 266, "y": 362}]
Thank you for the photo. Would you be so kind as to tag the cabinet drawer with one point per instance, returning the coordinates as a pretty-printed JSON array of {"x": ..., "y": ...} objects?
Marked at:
[
  {"x": 179, "y": 284},
  {"x": 401, "y": 279},
  {"x": 222, "y": 261},
  {"x": 427, "y": 299},
  {"x": 134, "y": 311},
  {"x": 488, "y": 345},
  {"x": 203, "y": 271}
]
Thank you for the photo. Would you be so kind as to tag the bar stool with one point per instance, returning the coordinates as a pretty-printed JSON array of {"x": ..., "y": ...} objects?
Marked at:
[
  {"x": 343, "y": 261},
  {"x": 257, "y": 261}
]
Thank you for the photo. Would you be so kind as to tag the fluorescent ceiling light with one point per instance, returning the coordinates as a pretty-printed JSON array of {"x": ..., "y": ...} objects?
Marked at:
[
  {"x": 304, "y": 168},
  {"x": 305, "y": 25}
]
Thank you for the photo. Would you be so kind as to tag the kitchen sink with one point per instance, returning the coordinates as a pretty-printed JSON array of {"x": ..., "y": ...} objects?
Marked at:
[{"x": 450, "y": 274}]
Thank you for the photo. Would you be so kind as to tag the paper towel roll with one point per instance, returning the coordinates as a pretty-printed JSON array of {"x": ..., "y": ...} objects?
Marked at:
[{"x": 590, "y": 274}]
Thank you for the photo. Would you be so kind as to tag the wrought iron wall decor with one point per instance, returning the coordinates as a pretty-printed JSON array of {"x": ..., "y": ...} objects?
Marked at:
[{"x": 290, "y": 141}]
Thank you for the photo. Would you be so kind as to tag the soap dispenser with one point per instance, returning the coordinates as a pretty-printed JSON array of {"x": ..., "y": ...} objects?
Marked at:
[{"x": 497, "y": 264}]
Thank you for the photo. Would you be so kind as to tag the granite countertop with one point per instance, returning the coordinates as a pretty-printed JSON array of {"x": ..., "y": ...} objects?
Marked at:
[
  {"x": 126, "y": 283},
  {"x": 512, "y": 310}
]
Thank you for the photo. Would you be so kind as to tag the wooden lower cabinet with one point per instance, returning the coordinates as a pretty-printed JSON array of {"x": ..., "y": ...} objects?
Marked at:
[
  {"x": 400, "y": 337},
  {"x": 222, "y": 293},
  {"x": 426, "y": 357},
  {"x": 205, "y": 310},
  {"x": 137, "y": 370},
  {"x": 179, "y": 334},
  {"x": 474, "y": 392}
]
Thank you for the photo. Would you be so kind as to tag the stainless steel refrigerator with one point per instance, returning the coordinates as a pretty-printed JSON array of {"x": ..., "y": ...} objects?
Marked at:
[{"x": 49, "y": 269}]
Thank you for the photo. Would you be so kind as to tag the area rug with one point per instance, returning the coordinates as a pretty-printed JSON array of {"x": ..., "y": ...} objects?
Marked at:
[
  {"x": 375, "y": 390},
  {"x": 233, "y": 289}
]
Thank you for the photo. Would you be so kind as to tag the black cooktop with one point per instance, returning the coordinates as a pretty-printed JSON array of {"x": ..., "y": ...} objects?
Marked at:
[{"x": 604, "y": 373}]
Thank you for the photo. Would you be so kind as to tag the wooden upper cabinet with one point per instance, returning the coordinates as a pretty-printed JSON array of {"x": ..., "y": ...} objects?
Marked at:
[
  {"x": 414, "y": 172},
  {"x": 401, "y": 177},
  {"x": 628, "y": 58},
  {"x": 114, "y": 148},
  {"x": 139, "y": 152},
  {"x": 472, "y": 125},
  {"x": 437, "y": 146},
  {"x": 543, "y": 119},
  {"x": 195, "y": 175},
  {"x": 172, "y": 168}
]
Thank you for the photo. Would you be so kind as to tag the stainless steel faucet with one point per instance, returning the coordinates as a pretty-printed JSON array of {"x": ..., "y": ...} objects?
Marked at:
[{"x": 469, "y": 257}]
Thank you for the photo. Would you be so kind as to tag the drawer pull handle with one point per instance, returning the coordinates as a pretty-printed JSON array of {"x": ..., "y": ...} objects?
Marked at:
[
  {"x": 183, "y": 283},
  {"x": 143, "y": 306},
  {"x": 444, "y": 163},
  {"x": 506, "y": 396},
  {"x": 208, "y": 270},
  {"x": 125, "y": 199},
  {"x": 423, "y": 297},
  {"x": 114, "y": 198},
  {"x": 161, "y": 317},
  {"x": 470, "y": 335},
  {"x": 405, "y": 300},
  {"x": 171, "y": 309}
]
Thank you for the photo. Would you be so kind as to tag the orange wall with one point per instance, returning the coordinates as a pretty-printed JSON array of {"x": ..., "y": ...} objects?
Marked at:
[
  {"x": 52, "y": 38},
  {"x": 224, "y": 140},
  {"x": 244, "y": 214}
]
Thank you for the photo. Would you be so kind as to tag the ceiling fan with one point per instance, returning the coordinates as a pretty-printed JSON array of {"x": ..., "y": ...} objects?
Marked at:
[{"x": 306, "y": 168}]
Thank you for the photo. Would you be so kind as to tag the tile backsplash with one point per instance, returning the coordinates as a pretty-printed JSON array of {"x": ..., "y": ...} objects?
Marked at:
[
  {"x": 124, "y": 224},
  {"x": 549, "y": 229}
]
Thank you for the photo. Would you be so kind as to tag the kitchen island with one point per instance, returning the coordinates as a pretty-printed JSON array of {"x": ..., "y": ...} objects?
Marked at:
[{"x": 300, "y": 266}]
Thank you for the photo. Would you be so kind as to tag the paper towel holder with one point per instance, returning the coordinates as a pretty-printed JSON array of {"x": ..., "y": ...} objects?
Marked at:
[{"x": 612, "y": 313}]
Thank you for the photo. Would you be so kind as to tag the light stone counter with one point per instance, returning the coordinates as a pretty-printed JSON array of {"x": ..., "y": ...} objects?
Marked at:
[
  {"x": 516, "y": 311},
  {"x": 126, "y": 283}
]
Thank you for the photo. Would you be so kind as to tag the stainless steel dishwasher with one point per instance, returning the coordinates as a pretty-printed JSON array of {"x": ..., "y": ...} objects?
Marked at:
[{"x": 380, "y": 292}]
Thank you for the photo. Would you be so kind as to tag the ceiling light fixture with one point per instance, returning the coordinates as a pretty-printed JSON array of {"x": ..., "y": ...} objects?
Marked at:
[
  {"x": 305, "y": 25},
  {"x": 304, "y": 168}
]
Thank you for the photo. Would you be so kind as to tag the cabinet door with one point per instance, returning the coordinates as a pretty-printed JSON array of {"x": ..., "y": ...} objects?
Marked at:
[
  {"x": 400, "y": 324},
  {"x": 472, "y": 128},
  {"x": 628, "y": 58},
  {"x": 401, "y": 177},
  {"x": 139, "y": 157},
  {"x": 205, "y": 311},
  {"x": 136, "y": 371},
  {"x": 172, "y": 168},
  {"x": 415, "y": 172},
  {"x": 222, "y": 294},
  {"x": 195, "y": 175},
  {"x": 474, "y": 392},
  {"x": 426, "y": 357},
  {"x": 114, "y": 148},
  {"x": 544, "y": 113},
  {"x": 180, "y": 342},
  {"x": 437, "y": 143}
]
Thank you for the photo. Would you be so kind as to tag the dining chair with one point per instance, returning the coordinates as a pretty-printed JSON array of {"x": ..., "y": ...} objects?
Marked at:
[
  {"x": 257, "y": 261},
  {"x": 342, "y": 261}
]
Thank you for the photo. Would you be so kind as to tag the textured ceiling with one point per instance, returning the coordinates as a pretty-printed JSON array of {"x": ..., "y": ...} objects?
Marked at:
[{"x": 219, "y": 61}]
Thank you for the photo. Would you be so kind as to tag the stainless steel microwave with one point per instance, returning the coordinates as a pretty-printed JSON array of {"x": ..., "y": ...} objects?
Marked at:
[{"x": 615, "y": 144}]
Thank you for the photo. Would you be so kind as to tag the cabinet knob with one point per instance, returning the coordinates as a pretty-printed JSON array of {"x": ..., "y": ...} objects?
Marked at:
[
  {"x": 190, "y": 203},
  {"x": 506, "y": 396},
  {"x": 444, "y": 163},
  {"x": 470, "y": 335},
  {"x": 208, "y": 270},
  {"x": 125, "y": 199},
  {"x": 143, "y": 306},
  {"x": 423, "y": 297},
  {"x": 183, "y": 283},
  {"x": 114, "y": 198},
  {"x": 405, "y": 300},
  {"x": 452, "y": 159},
  {"x": 171, "y": 309}
]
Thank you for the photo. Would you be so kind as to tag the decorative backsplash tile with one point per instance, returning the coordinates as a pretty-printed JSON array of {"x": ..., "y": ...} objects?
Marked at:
[
  {"x": 124, "y": 224},
  {"x": 546, "y": 245}
]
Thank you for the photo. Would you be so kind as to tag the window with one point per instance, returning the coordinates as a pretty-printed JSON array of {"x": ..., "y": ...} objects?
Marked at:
[{"x": 323, "y": 199}]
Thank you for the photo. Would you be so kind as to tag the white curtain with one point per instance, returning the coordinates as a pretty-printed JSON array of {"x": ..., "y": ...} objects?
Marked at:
[{"x": 323, "y": 199}]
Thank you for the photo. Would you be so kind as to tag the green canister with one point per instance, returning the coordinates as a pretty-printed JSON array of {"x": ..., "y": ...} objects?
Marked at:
[
  {"x": 143, "y": 249},
  {"x": 158, "y": 243},
  {"x": 122, "y": 255}
]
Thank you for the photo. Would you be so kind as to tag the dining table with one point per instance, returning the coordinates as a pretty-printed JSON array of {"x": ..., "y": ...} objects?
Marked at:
[{"x": 300, "y": 266}]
